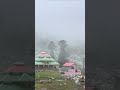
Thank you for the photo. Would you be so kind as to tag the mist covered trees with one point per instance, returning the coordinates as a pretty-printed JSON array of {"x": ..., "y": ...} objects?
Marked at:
[
  {"x": 60, "y": 50},
  {"x": 52, "y": 47},
  {"x": 62, "y": 58}
]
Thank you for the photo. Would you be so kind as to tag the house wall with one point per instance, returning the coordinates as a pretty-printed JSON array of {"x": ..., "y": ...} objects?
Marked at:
[{"x": 73, "y": 71}]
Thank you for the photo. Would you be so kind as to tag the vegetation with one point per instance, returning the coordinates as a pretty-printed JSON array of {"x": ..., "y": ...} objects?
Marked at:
[
  {"x": 57, "y": 81},
  {"x": 51, "y": 79},
  {"x": 62, "y": 55},
  {"x": 52, "y": 47}
]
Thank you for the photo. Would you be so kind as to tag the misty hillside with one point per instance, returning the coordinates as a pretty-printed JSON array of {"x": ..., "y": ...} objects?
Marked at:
[
  {"x": 41, "y": 45},
  {"x": 75, "y": 51}
]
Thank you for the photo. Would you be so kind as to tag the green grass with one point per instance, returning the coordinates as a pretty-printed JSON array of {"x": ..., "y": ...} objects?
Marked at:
[
  {"x": 55, "y": 85},
  {"x": 48, "y": 74}
]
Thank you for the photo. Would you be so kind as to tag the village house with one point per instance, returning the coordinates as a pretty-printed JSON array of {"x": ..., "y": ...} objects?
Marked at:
[
  {"x": 44, "y": 61},
  {"x": 70, "y": 68},
  {"x": 17, "y": 75}
]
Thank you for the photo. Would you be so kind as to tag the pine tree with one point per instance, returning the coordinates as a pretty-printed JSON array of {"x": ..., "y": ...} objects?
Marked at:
[
  {"x": 62, "y": 55},
  {"x": 52, "y": 47}
]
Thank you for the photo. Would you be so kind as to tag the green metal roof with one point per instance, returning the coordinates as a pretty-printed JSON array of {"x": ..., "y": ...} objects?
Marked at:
[
  {"x": 10, "y": 78},
  {"x": 53, "y": 63},
  {"x": 9, "y": 87},
  {"x": 39, "y": 63},
  {"x": 49, "y": 63},
  {"x": 2, "y": 75},
  {"x": 16, "y": 78},
  {"x": 26, "y": 77},
  {"x": 44, "y": 59},
  {"x": 12, "y": 87}
]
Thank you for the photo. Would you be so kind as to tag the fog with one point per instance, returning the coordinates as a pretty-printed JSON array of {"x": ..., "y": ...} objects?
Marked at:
[{"x": 60, "y": 19}]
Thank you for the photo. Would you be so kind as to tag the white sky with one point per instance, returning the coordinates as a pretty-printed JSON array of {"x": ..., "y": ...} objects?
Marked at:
[{"x": 62, "y": 19}]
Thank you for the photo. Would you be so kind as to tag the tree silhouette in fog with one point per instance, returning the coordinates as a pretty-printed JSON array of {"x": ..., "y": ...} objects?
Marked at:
[
  {"x": 62, "y": 55},
  {"x": 52, "y": 47}
]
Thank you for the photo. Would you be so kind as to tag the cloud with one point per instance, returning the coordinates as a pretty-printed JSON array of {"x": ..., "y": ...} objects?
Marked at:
[{"x": 61, "y": 19}]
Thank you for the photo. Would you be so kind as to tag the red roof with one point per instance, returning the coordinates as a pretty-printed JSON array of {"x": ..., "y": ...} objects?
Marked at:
[
  {"x": 68, "y": 64},
  {"x": 19, "y": 69},
  {"x": 44, "y": 55}
]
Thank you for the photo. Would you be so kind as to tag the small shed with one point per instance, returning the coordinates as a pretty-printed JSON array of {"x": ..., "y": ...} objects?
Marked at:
[{"x": 70, "y": 69}]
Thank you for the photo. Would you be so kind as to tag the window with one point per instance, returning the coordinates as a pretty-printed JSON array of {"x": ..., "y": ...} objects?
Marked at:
[{"x": 72, "y": 67}]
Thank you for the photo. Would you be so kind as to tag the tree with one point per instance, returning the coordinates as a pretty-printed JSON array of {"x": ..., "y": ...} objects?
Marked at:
[
  {"x": 52, "y": 47},
  {"x": 62, "y": 55}
]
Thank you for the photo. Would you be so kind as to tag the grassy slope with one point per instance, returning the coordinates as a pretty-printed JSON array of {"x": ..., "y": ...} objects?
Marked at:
[{"x": 55, "y": 85}]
